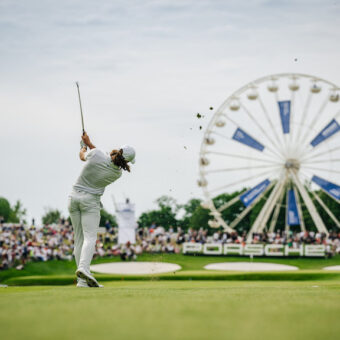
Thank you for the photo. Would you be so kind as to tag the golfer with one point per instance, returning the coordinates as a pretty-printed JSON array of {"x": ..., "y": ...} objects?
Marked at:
[{"x": 84, "y": 204}]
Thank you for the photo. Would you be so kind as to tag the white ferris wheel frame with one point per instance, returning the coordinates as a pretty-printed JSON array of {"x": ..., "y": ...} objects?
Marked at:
[{"x": 274, "y": 161}]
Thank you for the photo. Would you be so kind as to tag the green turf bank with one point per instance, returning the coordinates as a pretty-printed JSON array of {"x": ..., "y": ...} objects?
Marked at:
[{"x": 254, "y": 249}]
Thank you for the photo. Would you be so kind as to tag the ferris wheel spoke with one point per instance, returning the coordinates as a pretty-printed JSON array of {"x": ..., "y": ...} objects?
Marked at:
[
  {"x": 240, "y": 169},
  {"x": 309, "y": 204},
  {"x": 243, "y": 180},
  {"x": 325, "y": 208},
  {"x": 291, "y": 126},
  {"x": 321, "y": 161},
  {"x": 320, "y": 154},
  {"x": 263, "y": 130},
  {"x": 311, "y": 126},
  {"x": 327, "y": 133},
  {"x": 303, "y": 117},
  {"x": 243, "y": 138},
  {"x": 322, "y": 169},
  {"x": 264, "y": 110},
  {"x": 241, "y": 157}
]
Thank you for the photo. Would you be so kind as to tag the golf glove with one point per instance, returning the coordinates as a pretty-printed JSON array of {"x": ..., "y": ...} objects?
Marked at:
[{"x": 82, "y": 144}]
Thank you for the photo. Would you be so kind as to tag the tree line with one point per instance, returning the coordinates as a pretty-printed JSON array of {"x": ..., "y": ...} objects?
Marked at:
[{"x": 169, "y": 213}]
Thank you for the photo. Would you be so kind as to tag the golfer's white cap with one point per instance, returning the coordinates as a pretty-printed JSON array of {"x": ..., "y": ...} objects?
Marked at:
[{"x": 129, "y": 153}]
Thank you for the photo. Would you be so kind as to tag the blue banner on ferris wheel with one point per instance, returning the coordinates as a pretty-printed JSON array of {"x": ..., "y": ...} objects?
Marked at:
[
  {"x": 250, "y": 196},
  {"x": 331, "y": 188},
  {"x": 242, "y": 137},
  {"x": 328, "y": 131},
  {"x": 292, "y": 209},
  {"x": 284, "y": 107}
]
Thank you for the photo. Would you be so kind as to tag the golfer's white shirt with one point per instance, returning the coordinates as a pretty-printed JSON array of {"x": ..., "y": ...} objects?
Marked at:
[{"x": 97, "y": 173}]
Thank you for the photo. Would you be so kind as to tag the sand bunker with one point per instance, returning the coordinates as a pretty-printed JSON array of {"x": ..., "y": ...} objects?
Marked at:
[
  {"x": 135, "y": 268},
  {"x": 249, "y": 266},
  {"x": 332, "y": 268}
]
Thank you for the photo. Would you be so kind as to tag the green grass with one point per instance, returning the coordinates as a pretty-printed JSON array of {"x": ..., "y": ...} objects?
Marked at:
[
  {"x": 199, "y": 275},
  {"x": 62, "y": 272},
  {"x": 173, "y": 310}
]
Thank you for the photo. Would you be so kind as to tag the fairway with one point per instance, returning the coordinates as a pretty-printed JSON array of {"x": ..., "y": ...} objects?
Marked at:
[{"x": 173, "y": 310}]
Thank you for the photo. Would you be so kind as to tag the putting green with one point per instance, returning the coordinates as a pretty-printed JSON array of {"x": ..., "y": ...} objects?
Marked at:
[
  {"x": 62, "y": 272},
  {"x": 173, "y": 310}
]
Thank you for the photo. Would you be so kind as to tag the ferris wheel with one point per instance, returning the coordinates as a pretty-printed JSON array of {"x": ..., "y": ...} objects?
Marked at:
[{"x": 275, "y": 140}]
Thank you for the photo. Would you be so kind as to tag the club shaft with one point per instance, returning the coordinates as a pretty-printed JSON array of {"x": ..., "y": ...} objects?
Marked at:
[{"x": 81, "y": 108}]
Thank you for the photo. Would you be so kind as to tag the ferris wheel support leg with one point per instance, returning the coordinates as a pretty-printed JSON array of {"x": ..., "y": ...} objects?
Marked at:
[
  {"x": 324, "y": 206},
  {"x": 229, "y": 203},
  {"x": 276, "y": 212},
  {"x": 287, "y": 227},
  {"x": 302, "y": 221},
  {"x": 326, "y": 192},
  {"x": 310, "y": 206},
  {"x": 264, "y": 214},
  {"x": 271, "y": 207},
  {"x": 244, "y": 213}
]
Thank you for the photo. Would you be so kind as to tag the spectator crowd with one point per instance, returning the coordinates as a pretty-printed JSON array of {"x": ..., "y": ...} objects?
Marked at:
[{"x": 19, "y": 244}]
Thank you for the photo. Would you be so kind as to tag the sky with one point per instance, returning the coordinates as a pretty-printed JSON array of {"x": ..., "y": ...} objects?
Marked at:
[{"x": 145, "y": 69}]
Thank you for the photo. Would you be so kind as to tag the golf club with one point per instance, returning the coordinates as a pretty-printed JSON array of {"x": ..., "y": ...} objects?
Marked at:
[{"x": 81, "y": 109}]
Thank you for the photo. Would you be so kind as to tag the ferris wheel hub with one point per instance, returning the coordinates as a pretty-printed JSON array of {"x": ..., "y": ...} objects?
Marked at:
[{"x": 292, "y": 163}]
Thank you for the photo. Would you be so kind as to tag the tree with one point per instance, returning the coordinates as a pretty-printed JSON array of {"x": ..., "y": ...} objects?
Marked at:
[
  {"x": 51, "y": 216},
  {"x": 17, "y": 214},
  {"x": 106, "y": 216},
  {"x": 167, "y": 201},
  {"x": 162, "y": 217},
  {"x": 199, "y": 218},
  {"x": 165, "y": 216},
  {"x": 234, "y": 210},
  {"x": 189, "y": 209},
  {"x": 5, "y": 209}
]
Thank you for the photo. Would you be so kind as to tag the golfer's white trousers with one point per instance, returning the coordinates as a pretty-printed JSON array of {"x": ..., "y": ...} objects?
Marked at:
[{"x": 84, "y": 211}]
